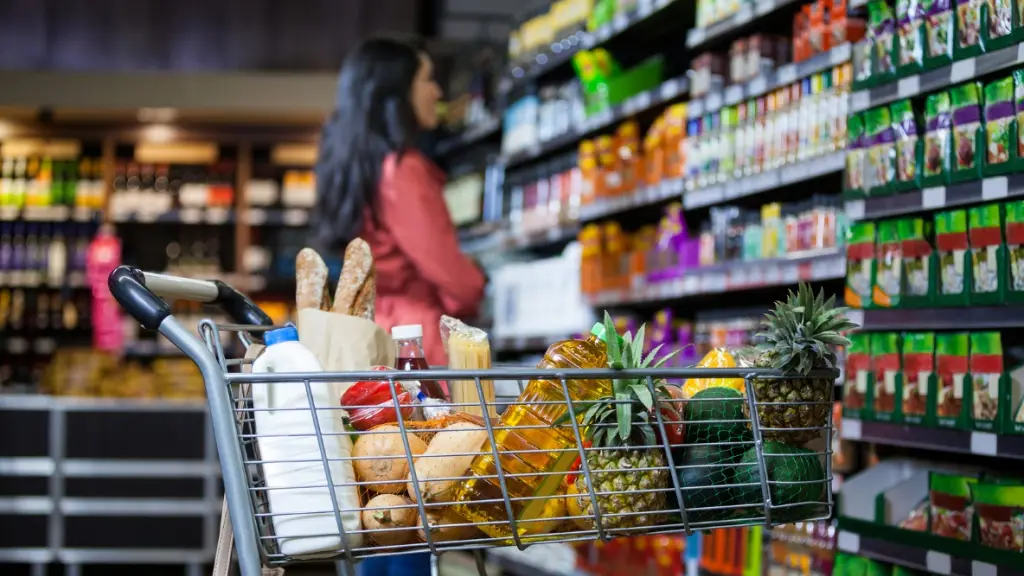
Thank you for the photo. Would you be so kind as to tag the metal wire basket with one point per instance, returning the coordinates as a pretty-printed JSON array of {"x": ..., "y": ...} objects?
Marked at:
[{"x": 506, "y": 482}]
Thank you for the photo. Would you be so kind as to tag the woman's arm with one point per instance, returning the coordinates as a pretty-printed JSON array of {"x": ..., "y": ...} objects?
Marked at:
[{"x": 413, "y": 207}]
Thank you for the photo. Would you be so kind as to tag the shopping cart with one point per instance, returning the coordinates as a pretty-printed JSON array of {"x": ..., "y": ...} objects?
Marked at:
[{"x": 727, "y": 472}]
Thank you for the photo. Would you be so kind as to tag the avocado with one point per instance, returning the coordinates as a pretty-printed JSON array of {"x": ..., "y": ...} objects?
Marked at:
[
  {"x": 716, "y": 415},
  {"x": 784, "y": 463}
]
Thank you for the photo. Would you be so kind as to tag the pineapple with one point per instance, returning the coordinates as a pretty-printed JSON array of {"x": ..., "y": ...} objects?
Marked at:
[
  {"x": 624, "y": 424},
  {"x": 798, "y": 337}
]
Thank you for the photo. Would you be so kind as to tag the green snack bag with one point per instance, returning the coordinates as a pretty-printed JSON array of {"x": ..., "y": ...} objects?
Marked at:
[
  {"x": 855, "y": 155},
  {"x": 885, "y": 360},
  {"x": 882, "y": 25},
  {"x": 1018, "y": 92},
  {"x": 910, "y": 36},
  {"x": 881, "y": 151},
  {"x": 1000, "y": 127},
  {"x": 968, "y": 29},
  {"x": 950, "y": 514},
  {"x": 952, "y": 364},
  {"x": 918, "y": 262},
  {"x": 998, "y": 29},
  {"x": 953, "y": 251},
  {"x": 860, "y": 265},
  {"x": 939, "y": 32},
  {"x": 909, "y": 148},
  {"x": 985, "y": 224},
  {"x": 968, "y": 132},
  {"x": 918, "y": 368},
  {"x": 1000, "y": 511},
  {"x": 938, "y": 117},
  {"x": 889, "y": 275},
  {"x": 862, "y": 72},
  {"x": 856, "y": 398},
  {"x": 1013, "y": 231},
  {"x": 986, "y": 377}
]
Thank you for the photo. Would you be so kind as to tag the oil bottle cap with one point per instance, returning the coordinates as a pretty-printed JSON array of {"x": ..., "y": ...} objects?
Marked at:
[{"x": 598, "y": 330}]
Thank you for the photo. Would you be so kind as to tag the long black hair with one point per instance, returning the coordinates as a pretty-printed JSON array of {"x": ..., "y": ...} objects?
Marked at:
[{"x": 372, "y": 117}]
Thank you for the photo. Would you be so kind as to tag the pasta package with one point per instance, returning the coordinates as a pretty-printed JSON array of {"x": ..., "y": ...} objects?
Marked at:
[{"x": 468, "y": 349}]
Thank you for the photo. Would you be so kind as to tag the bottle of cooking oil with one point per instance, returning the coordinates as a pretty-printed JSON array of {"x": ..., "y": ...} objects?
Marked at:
[{"x": 535, "y": 435}]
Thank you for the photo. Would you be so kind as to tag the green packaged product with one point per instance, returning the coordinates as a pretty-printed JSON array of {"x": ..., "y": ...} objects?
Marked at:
[
  {"x": 856, "y": 398},
  {"x": 889, "y": 274},
  {"x": 1000, "y": 511},
  {"x": 968, "y": 29},
  {"x": 998, "y": 30},
  {"x": 1000, "y": 129},
  {"x": 986, "y": 376},
  {"x": 855, "y": 154},
  {"x": 938, "y": 117},
  {"x": 910, "y": 35},
  {"x": 882, "y": 27},
  {"x": 909, "y": 147},
  {"x": 860, "y": 264},
  {"x": 918, "y": 366},
  {"x": 968, "y": 131},
  {"x": 881, "y": 151},
  {"x": 952, "y": 364},
  {"x": 885, "y": 361},
  {"x": 952, "y": 244},
  {"x": 950, "y": 512},
  {"x": 985, "y": 224},
  {"x": 939, "y": 31},
  {"x": 1013, "y": 230},
  {"x": 918, "y": 261},
  {"x": 1018, "y": 92}
]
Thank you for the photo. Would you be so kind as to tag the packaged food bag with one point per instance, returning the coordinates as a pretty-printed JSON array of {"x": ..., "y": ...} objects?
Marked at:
[
  {"x": 468, "y": 349},
  {"x": 939, "y": 31},
  {"x": 1000, "y": 127}
]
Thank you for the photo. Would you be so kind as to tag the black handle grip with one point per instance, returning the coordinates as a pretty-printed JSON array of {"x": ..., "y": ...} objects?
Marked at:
[
  {"x": 239, "y": 308},
  {"x": 128, "y": 286}
]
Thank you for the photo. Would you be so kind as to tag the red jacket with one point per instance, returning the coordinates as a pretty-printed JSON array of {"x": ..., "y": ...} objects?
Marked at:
[{"x": 421, "y": 271}]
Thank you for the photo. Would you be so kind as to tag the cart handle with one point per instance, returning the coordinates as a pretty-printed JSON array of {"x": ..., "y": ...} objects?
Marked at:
[{"x": 139, "y": 293}]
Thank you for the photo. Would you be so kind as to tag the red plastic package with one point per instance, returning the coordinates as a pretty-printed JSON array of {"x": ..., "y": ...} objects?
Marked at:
[{"x": 370, "y": 403}]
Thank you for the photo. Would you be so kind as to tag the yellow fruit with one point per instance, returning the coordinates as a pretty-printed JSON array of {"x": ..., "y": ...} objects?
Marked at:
[{"x": 717, "y": 358}]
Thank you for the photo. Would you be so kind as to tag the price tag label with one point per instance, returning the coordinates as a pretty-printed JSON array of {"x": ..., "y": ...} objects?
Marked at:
[
  {"x": 850, "y": 428},
  {"x": 83, "y": 214},
  {"x": 620, "y": 22},
  {"x": 146, "y": 216},
  {"x": 695, "y": 36},
  {"x": 934, "y": 197},
  {"x": 191, "y": 215},
  {"x": 984, "y": 568},
  {"x": 604, "y": 33},
  {"x": 757, "y": 86},
  {"x": 785, "y": 74},
  {"x": 45, "y": 345},
  {"x": 216, "y": 215},
  {"x": 840, "y": 54},
  {"x": 756, "y": 275},
  {"x": 938, "y": 562},
  {"x": 713, "y": 101},
  {"x": 691, "y": 284},
  {"x": 994, "y": 188},
  {"x": 848, "y": 542},
  {"x": 703, "y": 197},
  {"x": 696, "y": 108},
  {"x": 296, "y": 217},
  {"x": 669, "y": 89},
  {"x": 738, "y": 277},
  {"x": 790, "y": 273},
  {"x": 909, "y": 86},
  {"x": 805, "y": 270},
  {"x": 256, "y": 216},
  {"x": 860, "y": 100},
  {"x": 8, "y": 213},
  {"x": 985, "y": 443},
  {"x": 744, "y": 15},
  {"x": 17, "y": 345},
  {"x": 644, "y": 8},
  {"x": 733, "y": 94},
  {"x": 856, "y": 316},
  {"x": 643, "y": 100},
  {"x": 772, "y": 275},
  {"x": 855, "y": 209},
  {"x": 962, "y": 70}
]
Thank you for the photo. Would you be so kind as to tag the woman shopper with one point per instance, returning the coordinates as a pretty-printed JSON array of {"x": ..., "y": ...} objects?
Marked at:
[{"x": 373, "y": 183}]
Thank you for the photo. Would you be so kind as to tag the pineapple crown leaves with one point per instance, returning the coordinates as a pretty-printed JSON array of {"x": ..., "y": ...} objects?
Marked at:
[
  {"x": 799, "y": 333},
  {"x": 628, "y": 408}
]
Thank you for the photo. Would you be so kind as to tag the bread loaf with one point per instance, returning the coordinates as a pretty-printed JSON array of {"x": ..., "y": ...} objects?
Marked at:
[
  {"x": 354, "y": 273},
  {"x": 311, "y": 289}
]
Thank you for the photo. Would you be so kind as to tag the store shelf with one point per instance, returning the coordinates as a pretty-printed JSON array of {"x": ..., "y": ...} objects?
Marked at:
[
  {"x": 697, "y": 37},
  {"x": 968, "y": 318},
  {"x": 469, "y": 137},
  {"x": 666, "y": 92},
  {"x": 525, "y": 344},
  {"x": 938, "y": 439},
  {"x": 49, "y": 214},
  {"x": 937, "y": 197},
  {"x": 212, "y": 216},
  {"x": 955, "y": 73},
  {"x": 930, "y": 561},
  {"x": 818, "y": 266},
  {"x": 781, "y": 76},
  {"x": 549, "y": 237},
  {"x": 294, "y": 217},
  {"x": 561, "y": 52}
]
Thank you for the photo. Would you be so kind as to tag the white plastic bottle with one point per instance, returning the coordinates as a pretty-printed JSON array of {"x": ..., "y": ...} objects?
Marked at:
[{"x": 300, "y": 502}]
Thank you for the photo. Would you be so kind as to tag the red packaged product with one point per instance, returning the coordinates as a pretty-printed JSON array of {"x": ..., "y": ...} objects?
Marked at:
[{"x": 370, "y": 403}]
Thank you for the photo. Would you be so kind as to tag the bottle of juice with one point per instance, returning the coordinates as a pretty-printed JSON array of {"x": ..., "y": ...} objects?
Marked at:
[
  {"x": 409, "y": 341},
  {"x": 531, "y": 442}
]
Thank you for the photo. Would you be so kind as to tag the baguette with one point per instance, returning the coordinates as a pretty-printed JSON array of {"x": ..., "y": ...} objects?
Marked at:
[
  {"x": 311, "y": 289},
  {"x": 366, "y": 301},
  {"x": 357, "y": 268}
]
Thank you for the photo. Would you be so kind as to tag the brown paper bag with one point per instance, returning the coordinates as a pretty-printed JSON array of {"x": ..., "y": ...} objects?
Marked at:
[{"x": 344, "y": 343}]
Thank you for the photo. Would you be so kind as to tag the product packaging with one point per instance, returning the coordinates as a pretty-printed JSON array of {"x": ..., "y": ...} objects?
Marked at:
[
  {"x": 860, "y": 265},
  {"x": 918, "y": 377},
  {"x": 590, "y": 259},
  {"x": 881, "y": 151},
  {"x": 968, "y": 132},
  {"x": 987, "y": 381},
  {"x": 939, "y": 24},
  {"x": 919, "y": 263},
  {"x": 853, "y": 179},
  {"x": 858, "y": 398},
  {"x": 953, "y": 249},
  {"x": 969, "y": 22},
  {"x": 952, "y": 364},
  {"x": 951, "y": 514},
  {"x": 938, "y": 117},
  {"x": 675, "y": 134},
  {"x": 911, "y": 36},
  {"x": 1018, "y": 98},
  {"x": 654, "y": 153},
  {"x": 862, "y": 72},
  {"x": 627, "y": 140},
  {"x": 468, "y": 349},
  {"x": 610, "y": 183},
  {"x": 887, "y": 291},
  {"x": 909, "y": 147},
  {"x": 988, "y": 267},
  {"x": 999, "y": 27},
  {"x": 370, "y": 403},
  {"x": 1000, "y": 128},
  {"x": 885, "y": 361},
  {"x": 999, "y": 508},
  {"x": 590, "y": 171},
  {"x": 882, "y": 23},
  {"x": 1014, "y": 234}
]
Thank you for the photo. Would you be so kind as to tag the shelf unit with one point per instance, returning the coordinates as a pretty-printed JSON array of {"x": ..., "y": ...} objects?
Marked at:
[
  {"x": 929, "y": 561},
  {"x": 937, "y": 439}
]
